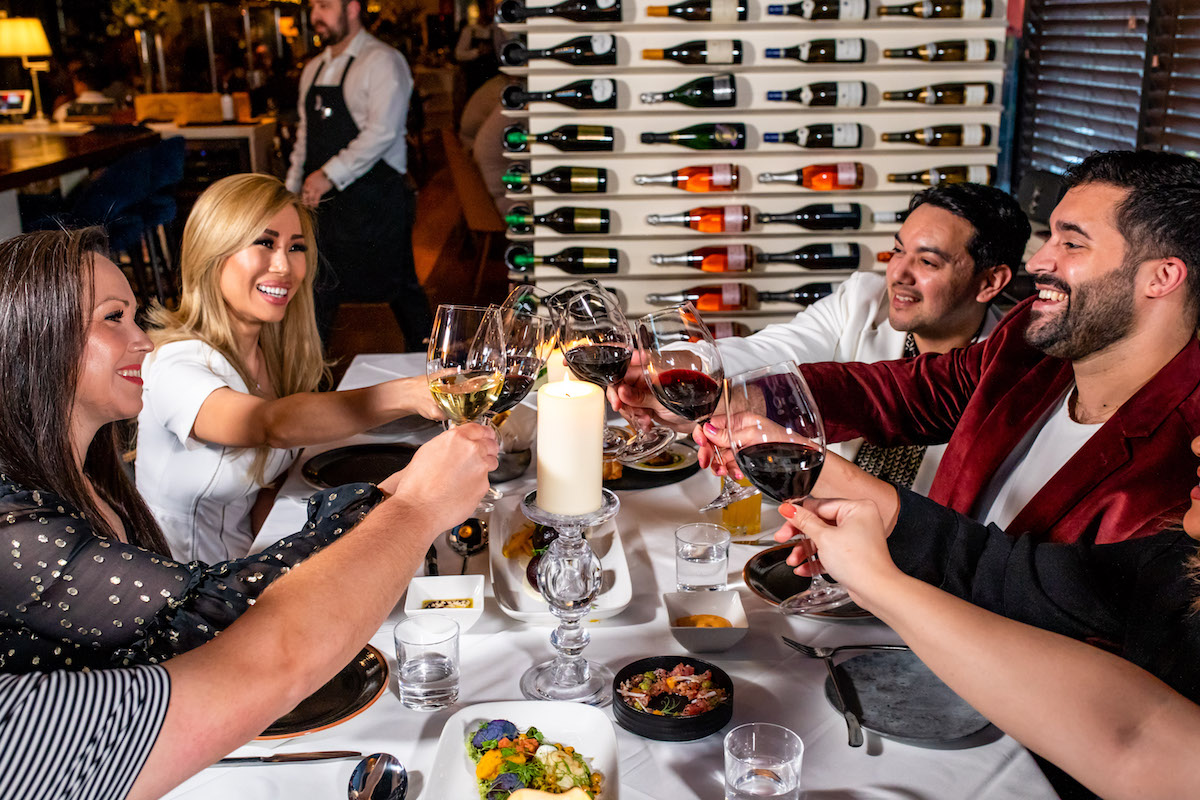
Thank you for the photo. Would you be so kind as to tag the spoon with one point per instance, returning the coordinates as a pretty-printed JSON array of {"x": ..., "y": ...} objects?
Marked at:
[
  {"x": 379, "y": 776},
  {"x": 467, "y": 539}
]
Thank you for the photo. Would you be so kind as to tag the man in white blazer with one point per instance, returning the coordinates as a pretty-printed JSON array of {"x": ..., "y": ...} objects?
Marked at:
[{"x": 957, "y": 249}]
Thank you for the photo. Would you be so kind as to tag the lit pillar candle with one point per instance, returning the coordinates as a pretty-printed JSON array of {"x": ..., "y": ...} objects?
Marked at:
[
  {"x": 556, "y": 367},
  {"x": 570, "y": 443}
]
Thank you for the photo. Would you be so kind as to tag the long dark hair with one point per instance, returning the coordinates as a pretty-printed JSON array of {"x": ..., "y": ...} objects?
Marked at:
[{"x": 46, "y": 281}]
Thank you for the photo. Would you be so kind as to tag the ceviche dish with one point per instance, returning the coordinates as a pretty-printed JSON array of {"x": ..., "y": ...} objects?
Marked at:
[
  {"x": 509, "y": 761},
  {"x": 678, "y": 693}
]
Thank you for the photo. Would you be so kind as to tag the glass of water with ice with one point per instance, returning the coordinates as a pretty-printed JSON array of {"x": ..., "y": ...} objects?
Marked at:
[
  {"x": 762, "y": 760},
  {"x": 701, "y": 557},
  {"x": 427, "y": 652}
]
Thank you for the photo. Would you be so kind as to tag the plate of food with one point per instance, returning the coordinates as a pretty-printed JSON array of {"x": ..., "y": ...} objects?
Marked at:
[
  {"x": 768, "y": 575},
  {"x": 494, "y": 750},
  {"x": 515, "y": 543}
]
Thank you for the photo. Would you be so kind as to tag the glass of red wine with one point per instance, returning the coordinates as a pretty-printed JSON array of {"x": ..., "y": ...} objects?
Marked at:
[
  {"x": 597, "y": 344},
  {"x": 778, "y": 441},
  {"x": 683, "y": 367}
]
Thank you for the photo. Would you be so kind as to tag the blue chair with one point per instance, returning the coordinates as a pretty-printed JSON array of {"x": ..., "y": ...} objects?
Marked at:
[{"x": 158, "y": 210}]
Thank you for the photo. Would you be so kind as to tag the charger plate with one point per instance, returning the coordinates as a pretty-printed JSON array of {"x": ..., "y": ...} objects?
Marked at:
[
  {"x": 357, "y": 462},
  {"x": 768, "y": 576},
  {"x": 355, "y": 688}
]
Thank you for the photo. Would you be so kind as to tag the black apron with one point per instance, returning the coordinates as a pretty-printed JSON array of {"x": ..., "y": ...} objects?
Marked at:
[{"x": 364, "y": 232}]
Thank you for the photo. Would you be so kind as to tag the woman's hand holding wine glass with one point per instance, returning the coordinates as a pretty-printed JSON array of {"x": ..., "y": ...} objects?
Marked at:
[{"x": 466, "y": 361}]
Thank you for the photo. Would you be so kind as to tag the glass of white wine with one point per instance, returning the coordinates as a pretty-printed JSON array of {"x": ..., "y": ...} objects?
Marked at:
[{"x": 466, "y": 361}]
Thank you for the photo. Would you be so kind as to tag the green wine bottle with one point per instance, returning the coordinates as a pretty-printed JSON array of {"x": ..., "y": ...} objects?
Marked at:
[
  {"x": 712, "y": 91},
  {"x": 563, "y": 180},
  {"x": 705, "y": 136}
]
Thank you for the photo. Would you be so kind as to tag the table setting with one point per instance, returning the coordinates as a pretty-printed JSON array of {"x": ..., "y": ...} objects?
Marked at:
[{"x": 579, "y": 633}]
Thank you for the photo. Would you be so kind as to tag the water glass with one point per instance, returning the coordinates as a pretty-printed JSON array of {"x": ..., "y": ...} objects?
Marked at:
[
  {"x": 427, "y": 654},
  {"x": 762, "y": 760},
  {"x": 701, "y": 557}
]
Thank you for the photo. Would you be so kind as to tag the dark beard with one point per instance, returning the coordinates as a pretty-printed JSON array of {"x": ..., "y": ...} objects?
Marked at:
[
  {"x": 1099, "y": 313},
  {"x": 338, "y": 33}
]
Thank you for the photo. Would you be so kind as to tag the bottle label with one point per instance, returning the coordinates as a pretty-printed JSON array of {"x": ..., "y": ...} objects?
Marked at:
[
  {"x": 852, "y": 9},
  {"x": 734, "y": 219},
  {"x": 802, "y": 136},
  {"x": 847, "y": 174},
  {"x": 592, "y": 133},
  {"x": 722, "y": 175},
  {"x": 585, "y": 179},
  {"x": 846, "y": 134},
  {"x": 605, "y": 3},
  {"x": 977, "y": 49},
  {"x": 602, "y": 43},
  {"x": 719, "y": 51},
  {"x": 976, "y": 95},
  {"x": 931, "y": 96},
  {"x": 735, "y": 259},
  {"x": 972, "y": 135},
  {"x": 722, "y": 330},
  {"x": 848, "y": 49},
  {"x": 839, "y": 250},
  {"x": 725, "y": 11},
  {"x": 589, "y": 220},
  {"x": 926, "y": 137},
  {"x": 595, "y": 258},
  {"x": 972, "y": 9},
  {"x": 842, "y": 208},
  {"x": 806, "y": 95},
  {"x": 807, "y": 7},
  {"x": 722, "y": 88},
  {"x": 731, "y": 295},
  {"x": 851, "y": 94},
  {"x": 603, "y": 89},
  {"x": 804, "y": 48},
  {"x": 978, "y": 173},
  {"x": 927, "y": 9}
]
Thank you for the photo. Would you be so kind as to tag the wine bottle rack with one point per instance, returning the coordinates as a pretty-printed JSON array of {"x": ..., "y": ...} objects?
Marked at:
[{"x": 629, "y": 204}]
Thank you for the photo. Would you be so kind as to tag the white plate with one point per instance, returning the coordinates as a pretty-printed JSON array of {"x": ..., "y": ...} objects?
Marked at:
[
  {"x": 516, "y": 597},
  {"x": 585, "y": 728},
  {"x": 684, "y": 457}
]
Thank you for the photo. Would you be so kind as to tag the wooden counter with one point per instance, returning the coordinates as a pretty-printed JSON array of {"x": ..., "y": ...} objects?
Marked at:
[{"x": 33, "y": 157}]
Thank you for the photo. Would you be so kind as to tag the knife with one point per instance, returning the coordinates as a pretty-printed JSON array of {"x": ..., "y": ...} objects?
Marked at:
[
  {"x": 431, "y": 567},
  {"x": 852, "y": 725},
  {"x": 288, "y": 758}
]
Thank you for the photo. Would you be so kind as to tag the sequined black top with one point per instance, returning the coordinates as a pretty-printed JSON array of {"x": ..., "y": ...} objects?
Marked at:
[{"x": 70, "y": 599}]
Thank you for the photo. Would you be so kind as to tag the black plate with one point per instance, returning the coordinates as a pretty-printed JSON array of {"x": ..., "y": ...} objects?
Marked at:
[
  {"x": 897, "y": 696},
  {"x": 672, "y": 729},
  {"x": 632, "y": 478},
  {"x": 768, "y": 576},
  {"x": 358, "y": 462},
  {"x": 358, "y": 685}
]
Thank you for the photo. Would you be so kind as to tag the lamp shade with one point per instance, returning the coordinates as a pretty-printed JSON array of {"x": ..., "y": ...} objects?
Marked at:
[{"x": 23, "y": 36}]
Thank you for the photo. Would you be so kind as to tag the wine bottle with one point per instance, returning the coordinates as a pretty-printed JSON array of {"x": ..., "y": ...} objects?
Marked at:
[
  {"x": 820, "y": 177},
  {"x": 565, "y": 219},
  {"x": 820, "y": 217},
  {"x": 836, "y": 134},
  {"x": 707, "y": 219},
  {"x": 563, "y": 180},
  {"x": 572, "y": 260},
  {"x": 949, "y": 50},
  {"x": 889, "y": 217},
  {"x": 598, "y": 93},
  {"x": 568, "y": 138},
  {"x": 720, "y": 11},
  {"x": 940, "y": 9},
  {"x": 947, "y": 94},
  {"x": 725, "y": 329},
  {"x": 573, "y": 10},
  {"x": 714, "y": 178},
  {"x": 970, "y": 135},
  {"x": 705, "y": 136},
  {"x": 701, "y": 51},
  {"x": 851, "y": 10},
  {"x": 975, "y": 173},
  {"x": 839, "y": 255},
  {"x": 715, "y": 297},
  {"x": 801, "y": 295},
  {"x": 823, "y": 51},
  {"x": 712, "y": 91},
  {"x": 720, "y": 258},
  {"x": 844, "y": 94},
  {"x": 597, "y": 50}
]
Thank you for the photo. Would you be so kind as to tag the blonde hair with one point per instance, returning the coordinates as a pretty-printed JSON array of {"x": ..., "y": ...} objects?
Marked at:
[{"x": 228, "y": 217}]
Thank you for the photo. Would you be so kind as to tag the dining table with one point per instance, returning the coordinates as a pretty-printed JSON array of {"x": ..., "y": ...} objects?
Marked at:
[{"x": 773, "y": 683}]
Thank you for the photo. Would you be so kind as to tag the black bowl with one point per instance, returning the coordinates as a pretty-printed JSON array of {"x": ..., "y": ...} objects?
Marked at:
[{"x": 672, "y": 729}]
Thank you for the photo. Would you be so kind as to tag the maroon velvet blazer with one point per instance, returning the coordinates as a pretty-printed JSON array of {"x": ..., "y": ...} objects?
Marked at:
[{"x": 1131, "y": 479}]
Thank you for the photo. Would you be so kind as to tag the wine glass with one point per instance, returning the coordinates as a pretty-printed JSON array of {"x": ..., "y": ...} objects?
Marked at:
[
  {"x": 528, "y": 342},
  {"x": 778, "y": 441},
  {"x": 683, "y": 367},
  {"x": 466, "y": 361},
  {"x": 597, "y": 344}
]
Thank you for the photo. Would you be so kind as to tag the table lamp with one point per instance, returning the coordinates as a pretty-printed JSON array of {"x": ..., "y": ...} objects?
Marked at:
[{"x": 24, "y": 37}]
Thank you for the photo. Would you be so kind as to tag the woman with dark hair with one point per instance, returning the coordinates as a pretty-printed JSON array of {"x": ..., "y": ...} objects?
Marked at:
[{"x": 86, "y": 581}]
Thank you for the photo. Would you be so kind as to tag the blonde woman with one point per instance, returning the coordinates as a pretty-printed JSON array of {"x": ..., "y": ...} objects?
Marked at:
[{"x": 230, "y": 390}]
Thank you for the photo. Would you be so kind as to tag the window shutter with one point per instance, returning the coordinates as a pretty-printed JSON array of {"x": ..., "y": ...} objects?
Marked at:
[{"x": 1172, "y": 107}]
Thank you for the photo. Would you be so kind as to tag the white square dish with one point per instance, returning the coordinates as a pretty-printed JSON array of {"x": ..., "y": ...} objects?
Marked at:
[
  {"x": 446, "y": 587},
  {"x": 726, "y": 604}
]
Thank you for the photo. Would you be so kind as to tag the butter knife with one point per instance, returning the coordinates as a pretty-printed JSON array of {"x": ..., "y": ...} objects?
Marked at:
[
  {"x": 288, "y": 758},
  {"x": 852, "y": 725}
]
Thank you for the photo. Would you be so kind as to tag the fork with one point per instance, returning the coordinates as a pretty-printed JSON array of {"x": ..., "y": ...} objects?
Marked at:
[{"x": 828, "y": 652}]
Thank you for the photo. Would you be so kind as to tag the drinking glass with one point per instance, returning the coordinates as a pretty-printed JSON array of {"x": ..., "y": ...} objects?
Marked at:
[
  {"x": 762, "y": 760},
  {"x": 683, "y": 367},
  {"x": 778, "y": 441},
  {"x": 528, "y": 341},
  {"x": 598, "y": 345},
  {"x": 701, "y": 557},
  {"x": 466, "y": 361},
  {"x": 427, "y": 657}
]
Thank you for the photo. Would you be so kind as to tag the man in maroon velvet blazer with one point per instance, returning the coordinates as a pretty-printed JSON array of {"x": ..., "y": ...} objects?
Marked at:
[{"x": 1110, "y": 340}]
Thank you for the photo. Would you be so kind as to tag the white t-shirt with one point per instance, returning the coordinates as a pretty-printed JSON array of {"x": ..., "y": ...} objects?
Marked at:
[
  {"x": 200, "y": 493},
  {"x": 1032, "y": 463}
]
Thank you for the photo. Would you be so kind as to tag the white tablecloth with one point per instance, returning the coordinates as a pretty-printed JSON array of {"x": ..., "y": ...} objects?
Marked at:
[{"x": 773, "y": 683}]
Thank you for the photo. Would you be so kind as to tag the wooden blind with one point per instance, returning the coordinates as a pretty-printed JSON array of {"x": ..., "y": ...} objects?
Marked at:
[{"x": 1171, "y": 118}]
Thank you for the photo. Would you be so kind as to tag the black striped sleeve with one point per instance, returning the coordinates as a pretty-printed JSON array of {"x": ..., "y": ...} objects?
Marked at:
[{"x": 78, "y": 735}]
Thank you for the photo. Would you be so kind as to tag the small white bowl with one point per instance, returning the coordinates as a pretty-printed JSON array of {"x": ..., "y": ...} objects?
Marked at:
[
  {"x": 446, "y": 587},
  {"x": 727, "y": 604}
]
